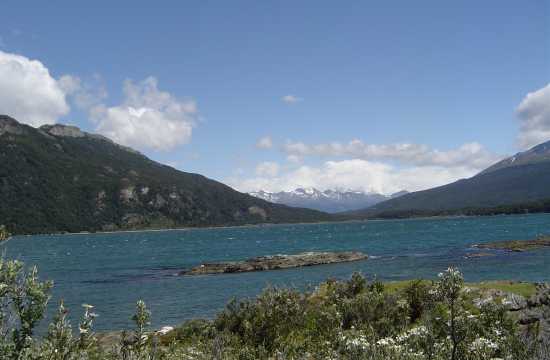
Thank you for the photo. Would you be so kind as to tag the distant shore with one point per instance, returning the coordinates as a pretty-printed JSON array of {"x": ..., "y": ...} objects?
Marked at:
[{"x": 186, "y": 228}]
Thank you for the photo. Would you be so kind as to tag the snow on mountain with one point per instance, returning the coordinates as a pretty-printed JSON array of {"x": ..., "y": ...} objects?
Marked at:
[{"x": 331, "y": 201}]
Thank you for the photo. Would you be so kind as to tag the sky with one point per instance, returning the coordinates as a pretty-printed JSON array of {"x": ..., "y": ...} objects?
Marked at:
[{"x": 274, "y": 95}]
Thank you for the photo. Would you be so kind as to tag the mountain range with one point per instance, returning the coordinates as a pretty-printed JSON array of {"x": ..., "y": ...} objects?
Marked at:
[
  {"x": 57, "y": 178},
  {"x": 331, "y": 201},
  {"x": 518, "y": 183}
]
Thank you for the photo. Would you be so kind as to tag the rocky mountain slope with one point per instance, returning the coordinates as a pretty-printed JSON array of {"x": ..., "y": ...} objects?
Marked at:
[
  {"x": 58, "y": 178},
  {"x": 521, "y": 180},
  {"x": 331, "y": 201}
]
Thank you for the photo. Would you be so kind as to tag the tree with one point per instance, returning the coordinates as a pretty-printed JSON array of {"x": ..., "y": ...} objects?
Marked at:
[
  {"x": 4, "y": 234},
  {"x": 23, "y": 300}
]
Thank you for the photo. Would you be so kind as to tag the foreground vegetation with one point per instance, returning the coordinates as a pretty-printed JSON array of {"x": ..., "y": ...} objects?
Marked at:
[
  {"x": 4, "y": 234},
  {"x": 353, "y": 319}
]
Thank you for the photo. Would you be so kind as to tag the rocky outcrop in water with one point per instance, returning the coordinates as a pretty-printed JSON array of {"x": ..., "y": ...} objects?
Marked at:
[
  {"x": 263, "y": 263},
  {"x": 516, "y": 245}
]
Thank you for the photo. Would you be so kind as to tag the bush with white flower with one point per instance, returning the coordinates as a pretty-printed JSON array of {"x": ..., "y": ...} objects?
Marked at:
[{"x": 340, "y": 320}]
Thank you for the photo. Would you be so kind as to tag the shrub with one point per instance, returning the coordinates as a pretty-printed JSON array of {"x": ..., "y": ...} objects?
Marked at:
[{"x": 345, "y": 320}]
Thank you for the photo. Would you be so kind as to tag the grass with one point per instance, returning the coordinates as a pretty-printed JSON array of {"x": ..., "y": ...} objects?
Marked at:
[
  {"x": 516, "y": 287},
  {"x": 519, "y": 288},
  {"x": 397, "y": 286}
]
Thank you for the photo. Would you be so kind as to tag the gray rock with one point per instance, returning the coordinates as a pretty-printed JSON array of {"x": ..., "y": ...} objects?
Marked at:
[
  {"x": 514, "y": 302},
  {"x": 63, "y": 130},
  {"x": 274, "y": 262}
]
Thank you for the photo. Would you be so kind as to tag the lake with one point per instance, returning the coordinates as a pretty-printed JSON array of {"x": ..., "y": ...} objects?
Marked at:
[{"x": 112, "y": 271}]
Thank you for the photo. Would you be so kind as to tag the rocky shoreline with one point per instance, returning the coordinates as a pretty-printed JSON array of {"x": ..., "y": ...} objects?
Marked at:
[
  {"x": 275, "y": 262},
  {"x": 532, "y": 313}
]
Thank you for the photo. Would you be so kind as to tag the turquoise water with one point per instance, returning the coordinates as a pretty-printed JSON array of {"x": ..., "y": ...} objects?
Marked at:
[{"x": 113, "y": 271}]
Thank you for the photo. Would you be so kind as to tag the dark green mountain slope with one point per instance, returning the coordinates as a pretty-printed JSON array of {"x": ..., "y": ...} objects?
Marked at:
[
  {"x": 58, "y": 178},
  {"x": 521, "y": 179}
]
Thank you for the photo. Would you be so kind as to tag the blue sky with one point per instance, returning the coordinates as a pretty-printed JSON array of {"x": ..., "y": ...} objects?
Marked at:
[{"x": 411, "y": 82}]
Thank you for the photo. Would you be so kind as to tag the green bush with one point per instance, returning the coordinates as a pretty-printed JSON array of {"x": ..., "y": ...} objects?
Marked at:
[
  {"x": 4, "y": 234},
  {"x": 345, "y": 320}
]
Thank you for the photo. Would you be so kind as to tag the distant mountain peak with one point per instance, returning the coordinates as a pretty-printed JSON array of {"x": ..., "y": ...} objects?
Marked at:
[
  {"x": 329, "y": 200},
  {"x": 59, "y": 178},
  {"x": 515, "y": 183},
  {"x": 398, "y": 194},
  {"x": 9, "y": 125},
  {"x": 536, "y": 154}
]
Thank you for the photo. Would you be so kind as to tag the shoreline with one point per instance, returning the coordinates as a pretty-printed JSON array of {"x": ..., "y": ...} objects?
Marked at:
[{"x": 211, "y": 227}]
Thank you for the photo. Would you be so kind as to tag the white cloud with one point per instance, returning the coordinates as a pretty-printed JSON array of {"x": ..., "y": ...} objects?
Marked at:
[
  {"x": 376, "y": 168},
  {"x": 534, "y": 115},
  {"x": 265, "y": 143},
  {"x": 268, "y": 169},
  {"x": 148, "y": 117},
  {"x": 294, "y": 159},
  {"x": 471, "y": 155},
  {"x": 28, "y": 92},
  {"x": 354, "y": 174},
  {"x": 85, "y": 94},
  {"x": 291, "y": 99}
]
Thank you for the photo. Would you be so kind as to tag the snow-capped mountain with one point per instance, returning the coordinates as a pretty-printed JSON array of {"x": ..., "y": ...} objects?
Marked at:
[{"x": 331, "y": 201}]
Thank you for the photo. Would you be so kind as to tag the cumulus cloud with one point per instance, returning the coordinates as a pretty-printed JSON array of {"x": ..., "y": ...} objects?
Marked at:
[
  {"x": 268, "y": 169},
  {"x": 357, "y": 174},
  {"x": 472, "y": 155},
  {"x": 28, "y": 91},
  {"x": 373, "y": 168},
  {"x": 534, "y": 116},
  {"x": 147, "y": 118},
  {"x": 265, "y": 143},
  {"x": 294, "y": 159},
  {"x": 84, "y": 94},
  {"x": 291, "y": 99}
]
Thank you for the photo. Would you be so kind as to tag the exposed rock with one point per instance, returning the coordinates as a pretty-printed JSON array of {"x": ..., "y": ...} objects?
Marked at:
[
  {"x": 532, "y": 314},
  {"x": 478, "y": 255},
  {"x": 10, "y": 126},
  {"x": 133, "y": 220},
  {"x": 275, "y": 262},
  {"x": 516, "y": 245},
  {"x": 127, "y": 194},
  {"x": 514, "y": 302},
  {"x": 173, "y": 195},
  {"x": 256, "y": 210},
  {"x": 133, "y": 173},
  {"x": 158, "y": 202},
  {"x": 63, "y": 130},
  {"x": 100, "y": 200},
  {"x": 536, "y": 313},
  {"x": 542, "y": 297},
  {"x": 481, "y": 301},
  {"x": 103, "y": 138},
  {"x": 165, "y": 330}
]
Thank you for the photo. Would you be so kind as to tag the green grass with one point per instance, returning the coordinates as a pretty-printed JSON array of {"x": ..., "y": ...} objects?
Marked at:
[
  {"x": 519, "y": 288},
  {"x": 397, "y": 286}
]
